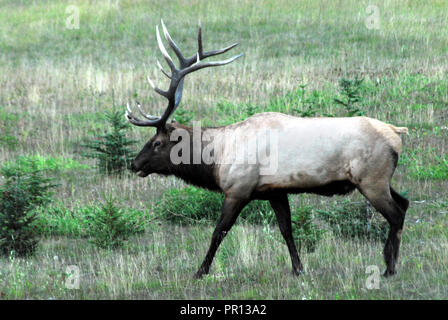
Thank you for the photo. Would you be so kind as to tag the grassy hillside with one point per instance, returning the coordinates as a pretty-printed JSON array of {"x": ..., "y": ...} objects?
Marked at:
[{"x": 56, "y": 83}]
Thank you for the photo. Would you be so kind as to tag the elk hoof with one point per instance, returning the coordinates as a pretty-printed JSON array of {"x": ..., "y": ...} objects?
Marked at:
[
  {"x": 297, "y": 273},
  {"x": 389, "y": 273},
  {"x": 198, "y": 275}
]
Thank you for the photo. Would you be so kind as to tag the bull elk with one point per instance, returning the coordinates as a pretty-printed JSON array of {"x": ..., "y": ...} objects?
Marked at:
[{"x": 325, "y": 156}]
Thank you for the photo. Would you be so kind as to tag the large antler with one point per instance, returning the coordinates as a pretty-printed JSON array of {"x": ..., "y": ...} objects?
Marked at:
[{"x": 187, "y": 65}]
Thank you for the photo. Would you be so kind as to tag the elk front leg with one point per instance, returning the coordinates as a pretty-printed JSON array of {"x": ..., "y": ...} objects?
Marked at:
[
  {"x": 282, "y": 211},
  {"x": 229, "y": 212}
]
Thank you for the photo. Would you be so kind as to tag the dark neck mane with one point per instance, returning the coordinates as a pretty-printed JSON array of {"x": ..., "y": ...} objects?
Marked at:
[{"x": 201, "y": 175}]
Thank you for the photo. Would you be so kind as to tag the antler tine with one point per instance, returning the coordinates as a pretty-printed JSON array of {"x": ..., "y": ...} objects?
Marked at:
[
  {"x": 207, "y": 54},
  {"x": 150, "y": 82},
  {"x": 128, "y": 111},
  {"x": 134, "y": 120},
  {"x": 219, "y": 51},
  {"x": 146, "y": 115},
  {"x": 156, "y": 89},
  {"x": 202, "y": 54},
  {"x": 174, "y": 92},
  {"x": 173, "y": 45},
  {"x": 200, "y": 37},
  {"x": 163, "y": 71},
  {"x": 163, "y": 50},
  {"x": 200, "y": 65}
]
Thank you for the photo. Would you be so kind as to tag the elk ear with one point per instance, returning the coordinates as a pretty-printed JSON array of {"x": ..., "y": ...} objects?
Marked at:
[{"x": 170, "y": 127}]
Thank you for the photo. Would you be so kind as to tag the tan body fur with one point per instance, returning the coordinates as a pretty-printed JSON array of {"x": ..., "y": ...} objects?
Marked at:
[{"x": 311, "y": 152}]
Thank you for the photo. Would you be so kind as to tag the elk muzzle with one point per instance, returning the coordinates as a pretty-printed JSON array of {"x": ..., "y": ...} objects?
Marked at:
[{"x": 142, "y": 169}]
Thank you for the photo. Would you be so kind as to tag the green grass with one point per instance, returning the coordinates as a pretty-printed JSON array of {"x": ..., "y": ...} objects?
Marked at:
[
  {"x": 46, "y": 163},
  {"x": 249, "y": 265},
  {"x": 57, "y": 83}
]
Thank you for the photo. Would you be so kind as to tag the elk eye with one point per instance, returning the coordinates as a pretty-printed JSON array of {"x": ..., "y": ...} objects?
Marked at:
[{"x": 156, "y": 144}]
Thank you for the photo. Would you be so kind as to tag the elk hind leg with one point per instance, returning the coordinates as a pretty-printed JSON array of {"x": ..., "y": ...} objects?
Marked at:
[
  {"x": 400, "y": 200},
  {"x": 392, "y": 206}
]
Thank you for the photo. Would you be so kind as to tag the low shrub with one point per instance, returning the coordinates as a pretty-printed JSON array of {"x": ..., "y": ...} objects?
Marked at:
[
  {"x": 43, "y": 163},
  {"x": 79, "y": 221},
  {"x": 301, "y": 102},
  {"x": 230, "y": 112},
  {"x": 58, "y": 220},
  {"x": 305, "y": 231},
  {"x": 193, "y": 205},
  {"x": 189, "y": 205},
  {"x": 355, "y": 220},
  {"x": 423, "y": 164}
]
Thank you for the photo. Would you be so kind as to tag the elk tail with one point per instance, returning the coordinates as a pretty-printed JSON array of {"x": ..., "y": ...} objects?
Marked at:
[{"x": 399, "y": 130}]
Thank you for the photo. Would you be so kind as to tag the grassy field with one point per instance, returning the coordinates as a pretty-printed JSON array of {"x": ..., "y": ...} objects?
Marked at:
[{"x": 56, "y": 82}]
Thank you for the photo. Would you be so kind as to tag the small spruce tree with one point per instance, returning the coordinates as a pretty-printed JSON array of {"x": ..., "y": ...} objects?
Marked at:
[
  {"x": 113, "y": 149},
  {"x": 350, "y": 89},
  {"x": 24, "y": 189},
  {"x": 110, "y": 228},
  {"x": 17, "y": 233}
]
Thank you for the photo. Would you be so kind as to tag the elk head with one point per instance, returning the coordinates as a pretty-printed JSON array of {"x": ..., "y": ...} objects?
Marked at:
[{"x": 155, "y": 155}]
